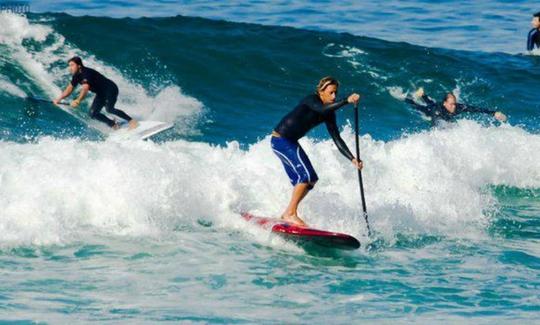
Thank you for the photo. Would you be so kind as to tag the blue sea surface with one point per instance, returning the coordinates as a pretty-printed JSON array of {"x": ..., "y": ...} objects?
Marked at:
[{"x": 481, "y": 25}]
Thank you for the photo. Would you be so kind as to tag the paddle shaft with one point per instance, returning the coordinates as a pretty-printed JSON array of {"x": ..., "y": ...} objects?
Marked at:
[
  {"x": 360, "y": 182},
  {"x": 63, "y": 103},
  {"x": 43, "y": 100}
]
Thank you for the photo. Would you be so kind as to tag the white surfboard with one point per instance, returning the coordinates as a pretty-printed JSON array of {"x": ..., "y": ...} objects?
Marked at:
[{"x": 143, "y": 131}]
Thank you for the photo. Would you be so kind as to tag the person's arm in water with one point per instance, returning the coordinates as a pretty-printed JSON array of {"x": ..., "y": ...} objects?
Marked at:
[
  {"x": 463, "y": 108},
  {"x": 421, "y": 94},
  {"x": 65, "y": 93},
  {"x": 428, "y": 100},
  {"x": 425, "y": 109},
  {"x": 422, "y": 108},
  {"x": 530, "y": 39},
  {"x": 84, "y": 91}
]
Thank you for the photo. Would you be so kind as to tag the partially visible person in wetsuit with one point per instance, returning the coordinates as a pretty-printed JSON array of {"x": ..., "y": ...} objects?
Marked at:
[
  {"x": 310, "y": 112},
  {"x": 448, "y": 110},
  {"x": 533, "y": 39},
  {"x": 105, "y": 89}
]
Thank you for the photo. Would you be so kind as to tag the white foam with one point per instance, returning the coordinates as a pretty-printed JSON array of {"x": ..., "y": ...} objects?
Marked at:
[
  {"x": 333, "y": 50},
  {"x": 10, "y": 88},
  {"x": 397, "y": 92},
  {"x": 435, "y": 182},
  {"x": 357, "y": 58},
  {"x": 16, "y": 28}
]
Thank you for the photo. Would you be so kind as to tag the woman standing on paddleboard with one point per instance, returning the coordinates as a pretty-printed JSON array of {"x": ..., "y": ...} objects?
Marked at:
[{"x": 310, "y": 112}]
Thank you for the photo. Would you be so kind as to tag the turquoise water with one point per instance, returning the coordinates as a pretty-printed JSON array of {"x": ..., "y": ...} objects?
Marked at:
[{"x": 95, "y": 230}]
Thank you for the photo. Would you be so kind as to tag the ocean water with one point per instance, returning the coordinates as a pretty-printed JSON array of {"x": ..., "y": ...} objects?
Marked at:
[
  {"x": 96, "y": 230},
  {"x": 486, "y": 25}
]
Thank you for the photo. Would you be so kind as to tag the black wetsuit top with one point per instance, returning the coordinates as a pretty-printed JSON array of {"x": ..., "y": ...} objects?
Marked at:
[
  {"x": 97, "y": 82},
  {"x": 106, "y": 95},
  {"x": 533, "y": 39},
  {"x": 309, "y": 113},
  {"x": 437, "y": 112}
]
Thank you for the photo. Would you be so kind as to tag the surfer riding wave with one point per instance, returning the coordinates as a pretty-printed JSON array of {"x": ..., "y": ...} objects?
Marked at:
[
  {"x": 313, "y": 110},
  {"x": 105, "y": 89}
]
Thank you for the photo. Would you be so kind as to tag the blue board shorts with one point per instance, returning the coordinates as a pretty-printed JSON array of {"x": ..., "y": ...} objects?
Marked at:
[{"x": 295, "y": 161}]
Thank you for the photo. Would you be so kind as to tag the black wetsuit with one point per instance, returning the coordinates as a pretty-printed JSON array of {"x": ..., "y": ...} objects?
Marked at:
[
  {"x": 437, "y": 112},
  {"x": 309, "y": 113},
  {"x": 533, "y": 39},
  {"x": 106, "y": 94}
]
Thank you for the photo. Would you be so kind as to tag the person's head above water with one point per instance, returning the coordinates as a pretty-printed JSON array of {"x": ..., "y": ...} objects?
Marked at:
[
  {"x": 75, "y": 64},
  {"x": 449, "y": 102},
  {"x": 535, "y": 22},
  {"x": 327, "y": 89}
]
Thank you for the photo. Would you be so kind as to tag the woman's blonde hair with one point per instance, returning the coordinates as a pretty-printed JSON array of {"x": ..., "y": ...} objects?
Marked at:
[{"x": 325, "y": 82}]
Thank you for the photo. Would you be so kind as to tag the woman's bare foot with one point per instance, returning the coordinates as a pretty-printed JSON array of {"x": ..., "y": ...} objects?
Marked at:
[
  {"x": 294, "y": 219},
  {"x": 132, "y": 124}
]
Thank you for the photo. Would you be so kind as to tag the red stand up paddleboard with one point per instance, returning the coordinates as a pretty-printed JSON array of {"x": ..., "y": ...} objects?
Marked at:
[{"x": 304, "y": 235}]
